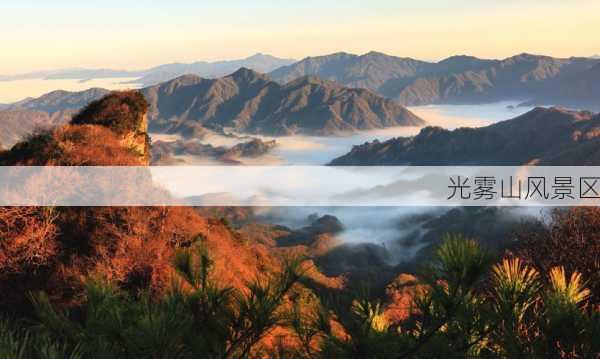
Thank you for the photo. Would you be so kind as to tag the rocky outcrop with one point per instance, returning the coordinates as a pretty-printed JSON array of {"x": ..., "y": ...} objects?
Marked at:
[
  {"x": 125, "y": 113},
  {"x": 109, "y": 131}
]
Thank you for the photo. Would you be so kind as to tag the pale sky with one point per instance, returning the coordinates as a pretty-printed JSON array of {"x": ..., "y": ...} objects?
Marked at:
[{"x": 127, "y": 34}]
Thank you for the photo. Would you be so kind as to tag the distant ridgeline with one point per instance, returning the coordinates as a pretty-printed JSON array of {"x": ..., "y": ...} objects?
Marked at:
[
  {"x": 320, "y": 95},
  {"x": 543, "y": 80},
  {"x": 246, "y": 101}
]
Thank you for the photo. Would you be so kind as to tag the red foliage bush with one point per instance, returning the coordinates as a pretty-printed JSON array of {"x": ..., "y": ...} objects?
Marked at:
[
  {"x": 27, "y": 239},
  {"x": 93, "y": 146},
  {"x": 85, "y": 145}
]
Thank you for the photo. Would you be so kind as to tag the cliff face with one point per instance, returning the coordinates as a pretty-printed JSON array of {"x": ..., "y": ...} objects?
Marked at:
[
  {"x": 138, "y": 140},
  {"x": 125, "y": 113}
]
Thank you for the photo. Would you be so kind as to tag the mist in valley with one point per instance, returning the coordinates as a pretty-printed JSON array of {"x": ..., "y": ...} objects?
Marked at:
[
  {"x": 320, "y": 150},
  {"x": 391, "y": 235}
]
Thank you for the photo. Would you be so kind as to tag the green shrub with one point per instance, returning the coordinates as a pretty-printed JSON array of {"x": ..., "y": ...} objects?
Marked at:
[
  {"x": 198, "y": 318},
  {"x": 467, "y": 308}
]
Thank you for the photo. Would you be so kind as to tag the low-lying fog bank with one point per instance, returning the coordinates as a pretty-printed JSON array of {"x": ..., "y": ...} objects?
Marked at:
[
  {"x": 454, "y": 116},
  {"x": 392, "y": 235},
  {"x": 314, "y": 150},
  {"x": 386, "y": 237}
]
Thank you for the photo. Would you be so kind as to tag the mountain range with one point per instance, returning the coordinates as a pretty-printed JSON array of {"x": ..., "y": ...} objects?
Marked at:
[
  {"x": 325, "y": 95},
  {"x": 246, "y": 101},
  {"x": 250, "y": 102},
  {"x": 542, "y": 136},
  {"x": 459, "y": 78},
  {"x": 455, "y": 80},
  {"x": 259, "y": 62}
]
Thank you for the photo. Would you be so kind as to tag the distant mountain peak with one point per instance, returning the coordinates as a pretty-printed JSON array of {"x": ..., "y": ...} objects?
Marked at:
[
  {"x": 256, "y": 104},
  {"x": 335, "y": 55},
  {"x": 188, "y": 76},
  {"x": 248, "y": 75},
  {"x": 458, "y": 57},
  {"x": 375, "y": 54},
  {"x": 244, "y": 71},
  {"x": 459, "y": 63},
  {"x": 311, "y": 80},
  {"x": 185, "y": 79},
  {"x": 262, "y": 56},
  {"x": 370, "y": 71},
  {"x": 525, "y": 56}
]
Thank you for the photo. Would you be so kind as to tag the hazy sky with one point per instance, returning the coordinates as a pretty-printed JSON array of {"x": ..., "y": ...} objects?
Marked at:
[{"x": 42, "y": 34}]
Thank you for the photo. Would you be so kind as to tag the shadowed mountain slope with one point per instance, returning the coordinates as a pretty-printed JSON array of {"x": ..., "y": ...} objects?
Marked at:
[
  {"x": 542, "y": 136},
  {"x": 579, "y": 90},
  {"x": 515, "y": 78},
  {"x": 248, "y": 101}
]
